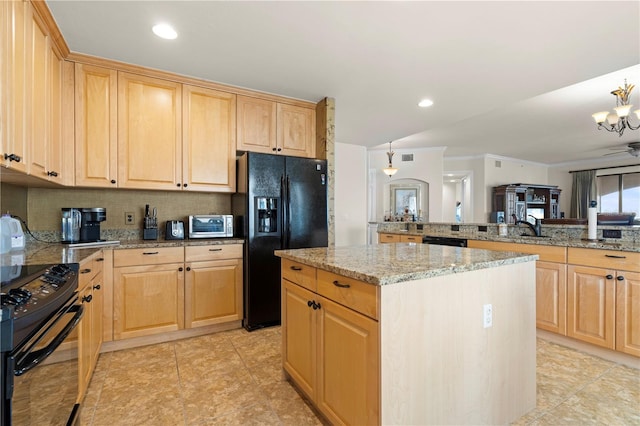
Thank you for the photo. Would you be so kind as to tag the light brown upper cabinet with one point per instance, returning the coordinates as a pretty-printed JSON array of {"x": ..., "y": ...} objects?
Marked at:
[
  {"x": 40, "y": 109},
  {"x": 208, "y": 140},
  {"x": 16, "y": 40},
  {"x": 96, "y": 102},
  {"x": 275, "y": 128},
  {"x": 296, "y": 130},
  {"x": 149, "y": 132}
]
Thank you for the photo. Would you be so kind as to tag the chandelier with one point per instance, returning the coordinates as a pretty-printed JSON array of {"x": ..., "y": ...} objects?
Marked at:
[
  {"x": 619, "y": 121},
  {"x": 390, "y": 170}
]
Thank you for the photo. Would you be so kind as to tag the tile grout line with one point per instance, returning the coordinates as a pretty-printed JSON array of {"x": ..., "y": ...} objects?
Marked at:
[{"x": 182, "y": 401}]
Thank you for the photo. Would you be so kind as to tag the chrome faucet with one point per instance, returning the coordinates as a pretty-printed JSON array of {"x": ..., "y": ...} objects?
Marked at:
[{"x": 537, "y": 228}]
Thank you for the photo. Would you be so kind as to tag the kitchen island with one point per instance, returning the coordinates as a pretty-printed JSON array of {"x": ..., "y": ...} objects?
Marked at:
[{"x": 410, "y": 333}]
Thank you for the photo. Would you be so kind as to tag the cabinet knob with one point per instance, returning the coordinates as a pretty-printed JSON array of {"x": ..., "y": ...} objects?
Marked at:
[
  {"x": 272, "y": 149},
  {"x": 309, "y": 303},
  {"x": 113, "y": 181},
  {"x": 178, "y": 185},
  {"x": 279, "y": 149},
  {"x": 620, "y": 277},
  {"x": 12, "y": 157},
  {"x": 180, "y": 269},
  {"x": 53, "y": 174},
  {"x": 188, "y": 268},
  {"x": 96, "y": 287},
  {"x": 87, "y": 298},
  {"x": 609, "y": 277},
  {"x": 185, "y": 185}
]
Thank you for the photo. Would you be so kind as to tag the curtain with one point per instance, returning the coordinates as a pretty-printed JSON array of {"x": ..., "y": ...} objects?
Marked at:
[{"x": 583, "y": 191}]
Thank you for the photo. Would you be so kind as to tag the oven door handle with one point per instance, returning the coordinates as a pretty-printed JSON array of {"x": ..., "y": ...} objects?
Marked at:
[{"x": 31, "y": 359}]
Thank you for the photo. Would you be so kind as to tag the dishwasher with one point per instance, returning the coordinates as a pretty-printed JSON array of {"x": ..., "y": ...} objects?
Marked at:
[{"x": 444, "y": 241}]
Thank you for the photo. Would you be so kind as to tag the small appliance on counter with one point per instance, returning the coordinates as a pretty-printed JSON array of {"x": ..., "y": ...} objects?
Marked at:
[
  {"x": 70, "y": 225},
  {"x": 150, "y": 231},
  {"x": 174, "y": 230},
  {"x": 211, "y": 226},
  {"x": 90, "y": 223}
]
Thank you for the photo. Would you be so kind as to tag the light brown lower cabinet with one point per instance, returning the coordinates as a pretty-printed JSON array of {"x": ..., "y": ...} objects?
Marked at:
[
  {"x": 628, "y": 313},
  {"x": 213, "y": 284},
  {"x": 91, "y": 293},
  {"x": 388, "y": 238},
  {"x": 331, "y": 352}
]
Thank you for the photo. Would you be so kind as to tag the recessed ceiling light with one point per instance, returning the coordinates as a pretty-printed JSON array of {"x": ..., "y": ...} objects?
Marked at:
[
  {"x": 425, "y": 103},
  {"x": 165, "y": 31}
]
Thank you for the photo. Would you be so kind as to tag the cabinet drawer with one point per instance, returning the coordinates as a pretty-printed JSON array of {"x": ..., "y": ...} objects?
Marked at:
[
  {"x": 299, "y": 273},
  {"x": 354, "y": 294},
  {"x": 610, "y": 259},
  {"x": 410, "y": 239},
  {"x": 389, "y": 238},
  {"x": 89, "y": 269},
  {"x": 212, "y": 252},
  {"x": 148, "y": 256}
]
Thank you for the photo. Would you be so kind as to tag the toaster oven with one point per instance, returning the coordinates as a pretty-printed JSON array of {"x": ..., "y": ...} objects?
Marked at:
[{"x": 211, "y": 226}]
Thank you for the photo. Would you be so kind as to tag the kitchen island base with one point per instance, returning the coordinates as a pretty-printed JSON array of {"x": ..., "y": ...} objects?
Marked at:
[{"x": 430, "y": 359}]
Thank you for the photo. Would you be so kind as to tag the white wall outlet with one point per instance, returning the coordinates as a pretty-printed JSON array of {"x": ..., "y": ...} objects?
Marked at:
[
  {"x": 487, "y": 315},
  {"x": 129, "y": 218}
]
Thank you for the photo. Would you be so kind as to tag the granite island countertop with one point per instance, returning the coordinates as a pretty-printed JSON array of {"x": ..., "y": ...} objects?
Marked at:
[
  {"x": 45, "y": 253},
  {"x": 383, "y": 264}
]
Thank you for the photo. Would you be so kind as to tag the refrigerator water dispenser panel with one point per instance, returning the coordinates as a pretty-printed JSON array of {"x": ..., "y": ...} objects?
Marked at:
[{"x": 267, "y": 215}]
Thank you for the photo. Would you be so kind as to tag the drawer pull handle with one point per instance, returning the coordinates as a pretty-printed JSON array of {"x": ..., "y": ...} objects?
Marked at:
[
  {"x": 217, "y": 249},
  {"x": 296, "y": 268},
  {"x": 85, "y": 271},
  {"x": 87, "y": 298},
  {"x": 146, "y": 253},
  {"x": 337, "y": 284},
  {"x": 100, "y": 259},
  {"x": 309, "y": 303},
  {"x": 620, "y": 278},
  {"x": 96, "y": 287},
  {"x": 609, "y": 277},
  {"x": 615, "y": 257}
]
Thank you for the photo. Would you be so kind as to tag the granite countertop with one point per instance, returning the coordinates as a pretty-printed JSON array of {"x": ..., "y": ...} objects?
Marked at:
[
  {"x": 383, "y": 264},
  {"x": 44, "y": 253},
  {"x": 524, "y": 239}
]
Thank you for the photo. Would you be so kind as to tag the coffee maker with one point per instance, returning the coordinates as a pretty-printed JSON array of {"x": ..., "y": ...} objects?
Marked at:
[{"x": 90, "y": 223}]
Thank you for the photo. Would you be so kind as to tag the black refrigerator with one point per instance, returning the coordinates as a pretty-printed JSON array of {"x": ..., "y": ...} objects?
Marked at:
[{"x": 280, "y": 203}]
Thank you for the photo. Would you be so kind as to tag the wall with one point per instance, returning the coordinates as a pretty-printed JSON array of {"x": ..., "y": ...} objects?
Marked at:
[
  {"x": 426, "y": 166},
  {"x": 13, "y": 199},
  {"x": 474, "y": 167},
  {"x": 44, "y": 205},
  {"x": 350, "y": 196}
]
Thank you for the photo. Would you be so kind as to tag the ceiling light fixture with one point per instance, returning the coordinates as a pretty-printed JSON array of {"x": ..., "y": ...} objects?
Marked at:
[
  {"x": 390, "y": 170},
  {"x": 619, "y": 121},
  {"x": 425, "y": 103},
  {"x": 165, "y": 31}
]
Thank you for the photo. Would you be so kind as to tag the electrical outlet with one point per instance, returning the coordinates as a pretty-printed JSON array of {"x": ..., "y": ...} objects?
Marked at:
[
  {"x": 129, "y": 218},
  {"x": 487, "y": 315}
]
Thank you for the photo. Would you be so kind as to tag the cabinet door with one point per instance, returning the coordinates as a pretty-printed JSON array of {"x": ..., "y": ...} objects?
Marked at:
[
  {"x": 209, "y": 148},
  {"x": 97, "y": 308},
  {"x": 5, "y": 94},
  {"x": 590, "y": 308},
  {"x": 388, "y": 238},
  {"x": 96, "y": 126},
  {"x": 296, "y": 130},
  {"x": 628, "y": 313},
  {"x": 213, "y": 292},
  {"x": 551, "y": 297},
  {"x": 348, "y": 366},
  {"x": 39, "y": 98},
  {"x": 299, "y": 336},
  {"x": 149, "y": 132},
  {"x": 147, "y": 300},
  {"x": 256, "y": 129},
  {"x": 56, "y": 151},
  {"x": 84, "y": 340},
  {"x": 19, "y": 70}
]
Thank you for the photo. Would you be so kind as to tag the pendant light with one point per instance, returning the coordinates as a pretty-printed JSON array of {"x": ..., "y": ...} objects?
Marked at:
[{"x": 390, "y": 170}]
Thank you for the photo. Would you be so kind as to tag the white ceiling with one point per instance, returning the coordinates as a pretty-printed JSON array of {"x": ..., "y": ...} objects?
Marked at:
[{"x": 516, "y": 79}]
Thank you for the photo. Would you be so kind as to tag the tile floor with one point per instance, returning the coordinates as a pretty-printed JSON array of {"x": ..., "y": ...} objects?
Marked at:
[{"x": 234, "y": 378}]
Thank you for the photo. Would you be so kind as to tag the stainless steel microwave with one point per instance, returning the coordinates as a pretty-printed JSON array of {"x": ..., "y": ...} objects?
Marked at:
[{"x": 211, "y": 226}]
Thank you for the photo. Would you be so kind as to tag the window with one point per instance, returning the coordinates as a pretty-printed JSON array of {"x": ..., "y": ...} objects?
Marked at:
[{"x": 620, "y": 193}]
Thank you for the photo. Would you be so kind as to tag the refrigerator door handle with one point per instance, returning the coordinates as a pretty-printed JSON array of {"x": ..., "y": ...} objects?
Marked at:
[
  {"x": 283, "y": 210},
  {"x": 288, "y": 210}
]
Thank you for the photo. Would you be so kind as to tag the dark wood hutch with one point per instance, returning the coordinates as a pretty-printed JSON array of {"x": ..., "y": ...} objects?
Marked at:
[{"x": 522, "y": 200}]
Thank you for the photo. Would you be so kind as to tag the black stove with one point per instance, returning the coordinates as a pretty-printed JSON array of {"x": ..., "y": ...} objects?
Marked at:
[{"x": 29, "y": 294}]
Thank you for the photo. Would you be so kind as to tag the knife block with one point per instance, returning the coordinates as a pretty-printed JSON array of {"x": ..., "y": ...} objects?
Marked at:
[{"x": 150, "y": 234}]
